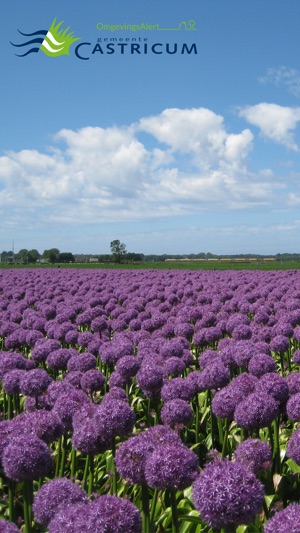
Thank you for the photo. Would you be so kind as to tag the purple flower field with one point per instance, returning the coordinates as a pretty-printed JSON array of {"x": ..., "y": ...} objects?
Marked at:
[{"x": 149, "y": 401}]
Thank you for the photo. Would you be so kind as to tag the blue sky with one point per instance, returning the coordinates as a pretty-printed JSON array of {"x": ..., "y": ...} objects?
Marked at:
[{"x": 170, "y": 153}]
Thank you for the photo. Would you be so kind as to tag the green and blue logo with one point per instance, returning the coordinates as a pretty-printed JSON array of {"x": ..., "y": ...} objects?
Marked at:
[{"x": 53, "y": 42}]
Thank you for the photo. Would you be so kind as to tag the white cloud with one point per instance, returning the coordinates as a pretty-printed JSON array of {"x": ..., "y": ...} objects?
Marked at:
[
  {"x": 96, "y": 175},
  {"x": 284, "y": 77},
  {"x": 275, "y": 122}
]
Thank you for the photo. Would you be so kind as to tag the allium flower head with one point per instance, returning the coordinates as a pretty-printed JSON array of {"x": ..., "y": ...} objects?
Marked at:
[
  {"x": 131, "y": 458},
  {"x": 160, "y": 435},
  {"x": 11, "y": 381},
  {"x": 261, "y": 364},
  {"x": 293, "y": 447},
  {"x": 53, "y": 496},
  {"x": 275, "y": 385},
  {"x": 70, "y": 519},
  {"x": 176, "y": 413},
  {"x": 83, "y": 362},
  {"x": 215, "y": 376},
  {"x": 119, "y": 417},
  {"x": 93, "y": 380},
  {"x": 58, "y": 359},
  {"x": 172, "y": 467},
  {"x": 293, "y": 382},
  {"x": 227, "y": 494},
  {"x": 279, "y": 344},
  {"x": 285, "y": 521},
  {"x": 35, "y": 382},
  {"x": 177, "y": 388},
  {"x": 111, "y": 514},
  {"x": 254, "y": 452},
  {"x": 26, "y": 457},
  {"x": 8, "y": 527},
  {"x": 258, "y": 410},
  {"x": 150, "y": 379},
  {"x": 293, "y": 407}
]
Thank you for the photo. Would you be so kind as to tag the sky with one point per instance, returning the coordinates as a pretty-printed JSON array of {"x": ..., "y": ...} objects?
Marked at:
[{"x": 173, "y": 127}]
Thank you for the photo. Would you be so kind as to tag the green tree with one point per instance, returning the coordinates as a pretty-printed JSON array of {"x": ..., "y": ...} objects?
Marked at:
[
  {"x": 33, "y": 256},
  {"x": 51, "y": 255},
  {"x": 66, "y": 257},
  {"x": 118, "y": 250}
]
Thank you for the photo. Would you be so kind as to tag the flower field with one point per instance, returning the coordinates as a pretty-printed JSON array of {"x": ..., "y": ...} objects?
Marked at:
[{"x": 149, "y": 401}]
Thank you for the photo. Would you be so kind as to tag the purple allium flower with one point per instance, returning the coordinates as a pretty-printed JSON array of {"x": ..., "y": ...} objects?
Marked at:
[
  {"x": 58, "y": 359},
  {"x": 242, "y": 331},
  {"x": 296, "y": 357},
  {"x": 279, "y": 344},
  {"x": 256, "y": 453},
  {"x": 285, "y": 521},
  {"x": 174, "y": 366},
  {"x": 93, "y": 380},
  {"x": 128, "y": 366},
  {"x": 67, "y": 404},
  {"x": 118, "y": 415},
  {"x": 275, "y": 385},
  {"x": 45, "y": 425},
  {"x": 10, "y": 361},
  {"x": 207, "y": 358},
  {"x": 245, "y": 383},
  {"x": 258, "y": 410},
  {"x": 293, "y": 447},
  {"x": 83, "y": 362},
  {"x": 160, "y": 435},
  {"x": 26, "y": 457},
  {"x": 177, "y": 388},
  {"x": 215, "y": 376},
  {"x": 261, "y": 364},
  {"x": 91, "y": 434},
  {"x": 53, "y": 496},
  {"x": 131, "y": 458},
  {"x": 8, "y": 527},
  {"x": 118, "y": 380},
  {"x": 115, "y": 393},
  {"x": 11, "y": 381},
  {"x": 293, "y": 407},
  {"x": 43, "y": 348},
  {"x": 35, "y": 382},
  {"x": 111, "y": 514},
  {"x": 171, "y": 348},
  {"x": 71, "y": 336},
  {"x": 172, "y": 467},
  {"x": 243, "y": 351},
  {"x": 293, "y": 381},
  {"x": 226, "y": 400},
  {"x": 176, "y": 413},
  {"x": 74, "y": 378},
  {"x": 70, "y": 519},
  {"x": 227, "y": 494},
  {"x": 150, "y": 379}
]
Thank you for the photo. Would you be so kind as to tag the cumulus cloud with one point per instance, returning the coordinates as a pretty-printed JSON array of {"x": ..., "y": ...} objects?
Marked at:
[
  {"x": 92, "y": 175},
  {"x": 276, "y": 122}
]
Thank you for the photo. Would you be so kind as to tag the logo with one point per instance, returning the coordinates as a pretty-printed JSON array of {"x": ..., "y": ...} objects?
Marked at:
[{"x": 53, "y": 42}]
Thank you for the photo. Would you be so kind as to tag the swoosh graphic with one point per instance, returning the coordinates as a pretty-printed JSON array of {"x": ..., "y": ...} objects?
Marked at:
[
  {"x": 39, "y": 32},
  {"x": 33, "y": 41},
  {"x": 28, "y": 52},
  {"x": 54, "y": 41},
  {"x": 53, "y": 50}
]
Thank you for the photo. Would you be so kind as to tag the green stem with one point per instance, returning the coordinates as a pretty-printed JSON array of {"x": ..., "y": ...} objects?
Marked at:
[
  {"x": 115, "y": 478},
  {"x": 85, "y": 474},
  {"x": 153, "y": 506},
  {"x": 145, "y": 508},
  {"x": 11, "y": 495},
  {"x": 91, "y": 474},
  {"x": 73, "y": 463},
  {"x": 63, "y": 457},
  {"x": 276, "y": 448},
  {"x": 27, "y": 494},
  {"x": 58, "y": 457},
  {"x": 175, "y": 525},
  {"x": 225, "y": 441}
]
